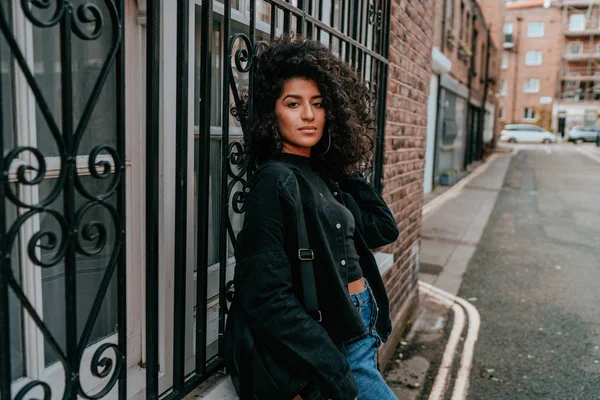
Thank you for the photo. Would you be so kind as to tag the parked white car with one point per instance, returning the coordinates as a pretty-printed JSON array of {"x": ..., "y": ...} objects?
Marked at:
[
  {"x": 526, "y": 133},
  {"x": 580, "y": 134}
]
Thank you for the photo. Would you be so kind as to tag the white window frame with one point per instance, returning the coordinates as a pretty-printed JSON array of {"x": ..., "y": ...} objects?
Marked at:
[
  {"x": 33, "y": 339},
  {"x": 529, "y": 114},
  {"x": 505, "y": 59},
  {"x": 533, "y": 58},
  {"x": 532, "y": 85},
  {"x": 535, "y": 29}
]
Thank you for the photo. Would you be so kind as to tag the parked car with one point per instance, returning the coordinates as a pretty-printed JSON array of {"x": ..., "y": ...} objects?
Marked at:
[
  {"x": 580, "y": 134},
  {"x": 526, "y": 133}
]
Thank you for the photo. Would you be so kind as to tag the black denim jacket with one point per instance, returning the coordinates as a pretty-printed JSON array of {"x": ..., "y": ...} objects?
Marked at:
[{"x": 266, "y": 256}]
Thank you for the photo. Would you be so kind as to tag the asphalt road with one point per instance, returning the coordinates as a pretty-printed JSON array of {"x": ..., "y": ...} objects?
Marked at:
[{"x": 535, "y": 279}]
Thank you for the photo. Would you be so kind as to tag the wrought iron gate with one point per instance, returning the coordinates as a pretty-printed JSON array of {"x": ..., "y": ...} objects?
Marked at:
[
  {"x": 357, "y": 30},
  {"x": 62, "y": 195}
]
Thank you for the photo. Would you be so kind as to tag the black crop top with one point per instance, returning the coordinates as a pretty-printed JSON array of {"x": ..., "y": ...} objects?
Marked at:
[{"x": 343, "y": 220}]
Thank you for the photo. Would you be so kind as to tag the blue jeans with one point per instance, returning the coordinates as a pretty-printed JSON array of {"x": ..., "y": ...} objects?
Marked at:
[{"x": 362, "y": 355}]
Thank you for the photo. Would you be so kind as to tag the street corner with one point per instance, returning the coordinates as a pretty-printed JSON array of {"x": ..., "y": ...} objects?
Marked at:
[{"x": 435, "y": 357}]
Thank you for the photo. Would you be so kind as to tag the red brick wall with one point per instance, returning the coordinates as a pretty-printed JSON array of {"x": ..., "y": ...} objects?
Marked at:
[
  {"x": 405, "y": 135},
  {"x": 516, "y": 100},
  {"x": 493, "y": 11}
]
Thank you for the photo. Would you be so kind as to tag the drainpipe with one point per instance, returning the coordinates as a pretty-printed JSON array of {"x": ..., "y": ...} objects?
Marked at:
[
  {"x": 439, "y": 98},
  {"x": 485, "y": 89},
  {"x": 516, "y": 75},
  {"x": 469, "y": 152}
]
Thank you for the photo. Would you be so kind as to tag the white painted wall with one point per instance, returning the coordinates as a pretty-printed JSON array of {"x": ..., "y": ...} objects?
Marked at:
[{"x": 431, "y": 121}]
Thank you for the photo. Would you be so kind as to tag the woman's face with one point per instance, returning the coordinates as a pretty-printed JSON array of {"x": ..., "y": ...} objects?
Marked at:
[{"x": 300, "y": 115}]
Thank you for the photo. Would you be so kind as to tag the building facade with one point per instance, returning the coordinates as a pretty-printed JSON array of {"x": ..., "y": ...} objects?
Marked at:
[
  {"x": 578, "y": 86},
  {"x": 555, "y": 87},
  {"x": 463, "y": 115},
  {"x": 528, "y": 77},
  {"x": 125, "y": 178}
]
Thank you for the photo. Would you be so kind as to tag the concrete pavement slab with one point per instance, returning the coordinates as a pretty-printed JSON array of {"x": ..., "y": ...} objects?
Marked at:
[
  {"x": 434, "y": 252},
  {"x": 493, "y": 177},
  {"x": 480, "y": 218}
]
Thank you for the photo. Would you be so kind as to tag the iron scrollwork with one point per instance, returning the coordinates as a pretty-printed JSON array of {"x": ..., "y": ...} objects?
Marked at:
[
  {"x": 77, "y": 235},
  {"x": 32, "y": 385},
  {"x": 240, "y": 166},
  {"x": 375, "y": 16}
]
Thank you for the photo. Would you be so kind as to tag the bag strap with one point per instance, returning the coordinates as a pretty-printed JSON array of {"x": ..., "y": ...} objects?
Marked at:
[{"x": 306, "y": 256}]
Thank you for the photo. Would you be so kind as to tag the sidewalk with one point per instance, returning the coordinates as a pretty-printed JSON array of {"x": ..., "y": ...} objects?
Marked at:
[
  {"x": 453, "y": 223},
  {"x": 451, "y": 232}
]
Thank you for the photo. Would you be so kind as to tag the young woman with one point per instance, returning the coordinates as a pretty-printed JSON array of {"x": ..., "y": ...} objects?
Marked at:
[{"x": 311, "y": 125}]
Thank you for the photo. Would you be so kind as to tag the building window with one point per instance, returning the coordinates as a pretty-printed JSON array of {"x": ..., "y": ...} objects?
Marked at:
[
  {"x": 598, "y": 48},
  {"x": 529, "y": 114},
  {"x": 505, "y": 59},
  {"x": 450, "y": 13},
  {"x": 501, "y": 113},
  {"x": 462, "y": 20},
  {"x": 535, "y": 29},
  {"x": 482, "y": 59},
  {"x": 589, "y": 117},
  {"x": 504, "y": 87},
  {"x": 532, "y": 85},
  {"x": 39, "y": 238},
  {"x": 508, "y": 32},
  {"x": 577, "y": 22},
  {"x": 533, "y": 58},
  {"x": 575, "y": 48},
  {"x": 468, "y": 30}
]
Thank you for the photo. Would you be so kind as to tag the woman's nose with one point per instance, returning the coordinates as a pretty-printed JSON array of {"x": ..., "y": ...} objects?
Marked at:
[{"x": 307, "y": 113}]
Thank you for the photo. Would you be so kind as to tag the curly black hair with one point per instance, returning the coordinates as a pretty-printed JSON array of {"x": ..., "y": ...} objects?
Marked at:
[{"x": 349, "y": 121}]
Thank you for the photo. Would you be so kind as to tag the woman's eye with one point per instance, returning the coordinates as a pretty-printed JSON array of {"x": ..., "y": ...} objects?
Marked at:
[{"x": 318, "y": 105}]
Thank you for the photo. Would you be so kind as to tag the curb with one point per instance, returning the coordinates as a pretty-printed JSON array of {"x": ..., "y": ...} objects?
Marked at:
[{"x": 472, "y": 320}]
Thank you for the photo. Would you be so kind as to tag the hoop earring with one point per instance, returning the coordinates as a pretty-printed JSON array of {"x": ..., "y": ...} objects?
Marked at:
[{"x": 328, "y": 147}]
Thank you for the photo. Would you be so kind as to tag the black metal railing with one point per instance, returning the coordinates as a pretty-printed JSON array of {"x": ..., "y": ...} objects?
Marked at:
[
  {"x": 358, "y": 31},
  {"x": 86, "y": 227}
]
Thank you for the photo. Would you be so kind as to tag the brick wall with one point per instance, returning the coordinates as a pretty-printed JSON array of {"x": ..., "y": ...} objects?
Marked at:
[
  {"x": 517, "y": 72},
  {"x": 494, "y": 10},
  {"x": 488, "y": 17},
  {"x": 454, "y": 24},
  {"x": 406, "y": 124}
]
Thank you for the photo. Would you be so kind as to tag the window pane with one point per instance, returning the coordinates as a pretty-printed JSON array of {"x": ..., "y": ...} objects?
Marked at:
[
  {"x": 217, "y": 70},
  {"x": 535, "y": 29},
  {"x": 577, "y": 22},
  {"x": 575, "y": 47},
  {"x": 90, "y": 270},
  {"x": 15, "y": 309},
  {"x": 9, "y": 132},
  {"x": 88, "y": 57},
  {"x": 533, "y": 57},
  {"x": 7, "y": 79},
  {"x": 505, "y": 60}
]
